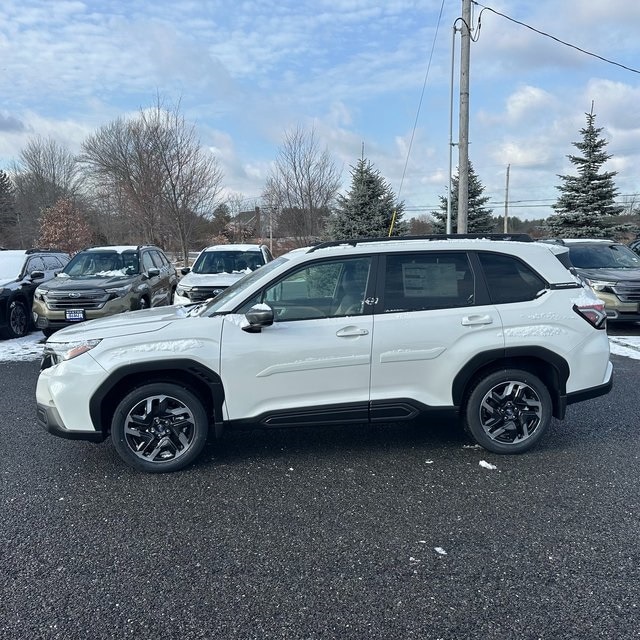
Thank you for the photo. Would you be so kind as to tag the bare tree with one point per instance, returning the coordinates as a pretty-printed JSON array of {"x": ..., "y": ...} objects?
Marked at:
[
  {"x": 155, "y": 161},
  {"x": 302, "y": 186},
  {"x": 44, "y": 173}
]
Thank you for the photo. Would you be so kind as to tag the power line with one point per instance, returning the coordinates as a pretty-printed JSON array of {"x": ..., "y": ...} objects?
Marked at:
[
  {"x": 548, "y": 35},
  {"x": 424, "y": 85}
]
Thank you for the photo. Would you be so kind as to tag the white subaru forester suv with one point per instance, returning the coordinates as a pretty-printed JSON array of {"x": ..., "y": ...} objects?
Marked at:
[{"x": 497, "y": 333}]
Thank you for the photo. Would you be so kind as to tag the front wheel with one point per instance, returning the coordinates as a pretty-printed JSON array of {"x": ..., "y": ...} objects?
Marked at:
[
  {"x": 18, "y": 325},
  {"x": 159, "y": 427},
  {"x": 508, "y": 411}
]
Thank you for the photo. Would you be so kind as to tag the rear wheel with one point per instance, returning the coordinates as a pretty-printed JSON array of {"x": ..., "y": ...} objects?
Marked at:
[
  {"x": 508, "y": 411},
  {"x": 159, "y": 427}
]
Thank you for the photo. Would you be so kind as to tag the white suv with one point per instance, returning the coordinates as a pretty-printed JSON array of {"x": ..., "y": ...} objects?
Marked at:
[
  {"x": 498, "y": 333},
  {"x": 218, "y": 267}
]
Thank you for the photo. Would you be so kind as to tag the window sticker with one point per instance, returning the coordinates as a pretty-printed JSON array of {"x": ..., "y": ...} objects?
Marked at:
[{"x": 421, "y": 280}]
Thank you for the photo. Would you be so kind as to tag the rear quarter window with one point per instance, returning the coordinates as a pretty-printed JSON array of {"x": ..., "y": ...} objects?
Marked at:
[{"x": 509, "y": 280}]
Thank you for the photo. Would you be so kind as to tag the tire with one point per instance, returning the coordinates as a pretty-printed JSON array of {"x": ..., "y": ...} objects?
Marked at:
[
  {"x": 508, "y": 411},
  {"x": 18, "y": 320},
  {"x": 144, "y": 303},
  {"x": 160, "y": 427}
]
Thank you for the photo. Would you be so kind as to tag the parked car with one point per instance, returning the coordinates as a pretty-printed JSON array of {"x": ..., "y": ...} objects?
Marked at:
[
  {"x": 102, "y": 281},
  {"x": 498, "y": 333},
  {"x": 20, "y": 273},
  {"x": 634, "y": 245},
  {"x": 217, "y": 267},
  {"x": 612, "y": 270}
]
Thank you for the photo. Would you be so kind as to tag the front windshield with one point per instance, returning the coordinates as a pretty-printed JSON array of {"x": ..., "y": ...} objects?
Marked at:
[
  {"x": 228, "y": 261},
  {"x": 103, "y": 264},
  {"x": 612, "y": 256},
  {"x": 236, "y": 289},
  {"x": 11, "y": 265}
]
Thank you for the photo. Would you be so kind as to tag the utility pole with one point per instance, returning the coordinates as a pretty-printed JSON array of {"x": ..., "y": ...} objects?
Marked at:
[
  {"x": 506, "y": 202},
  {"x": 453, "y": 60},
  {"x": 463, "y": 133}
]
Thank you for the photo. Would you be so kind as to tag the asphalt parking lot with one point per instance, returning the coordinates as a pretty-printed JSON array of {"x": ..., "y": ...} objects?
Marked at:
[{"x": 396, "y": 531}]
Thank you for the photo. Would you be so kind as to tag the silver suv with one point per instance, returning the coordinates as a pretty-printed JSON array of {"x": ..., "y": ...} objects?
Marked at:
[{"x": 497, "y": 333}]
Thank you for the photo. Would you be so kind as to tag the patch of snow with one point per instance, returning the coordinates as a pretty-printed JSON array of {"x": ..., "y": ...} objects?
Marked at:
[
  {"x": 533, "y": 330},
  {"x": 487, "y": 465},
  {"x": 22, "y": 349},
  {"x": 172, "y": 346},
  {"x": 628, "y": 346},
  {"x": 440, "y": 551}
]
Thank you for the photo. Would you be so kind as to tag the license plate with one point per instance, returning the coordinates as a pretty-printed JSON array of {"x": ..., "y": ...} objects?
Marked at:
[{"x": 74, "y": 315}]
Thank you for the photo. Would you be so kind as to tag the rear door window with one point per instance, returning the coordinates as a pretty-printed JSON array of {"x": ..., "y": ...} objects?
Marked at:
[{"x": 429, "y": 280}]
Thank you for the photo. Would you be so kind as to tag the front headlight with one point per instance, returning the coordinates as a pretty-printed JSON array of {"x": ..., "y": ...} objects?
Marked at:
[
  {"x": 60, "y": 351},
  {"x": 119, "y": 291},
  {"x": 38, "y": 294},
  {"x": 600, "y": 285},
  {"x": 181, "y": 290}
]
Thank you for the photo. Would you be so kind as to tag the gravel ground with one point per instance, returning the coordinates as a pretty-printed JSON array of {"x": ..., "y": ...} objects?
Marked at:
[{"x": 395, "y": 531}]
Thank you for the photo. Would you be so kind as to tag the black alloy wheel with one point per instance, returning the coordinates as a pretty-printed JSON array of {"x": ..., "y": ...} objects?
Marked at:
[
  {"x": 508, "y": 411},
  {"x": 159, "y": 427},
  {"x": 18, "y": 325}
]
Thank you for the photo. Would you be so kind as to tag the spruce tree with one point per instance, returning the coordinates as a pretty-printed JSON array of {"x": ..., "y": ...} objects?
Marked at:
[
  {"x": 479, "y": 218},
  {"x": 369, "y": 208},
  {"x": 8, "y": 216},
  {"x": 586, "y": 206}
]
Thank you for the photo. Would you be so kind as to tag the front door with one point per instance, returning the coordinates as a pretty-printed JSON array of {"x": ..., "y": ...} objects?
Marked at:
[{"x": 313, "y": 363}]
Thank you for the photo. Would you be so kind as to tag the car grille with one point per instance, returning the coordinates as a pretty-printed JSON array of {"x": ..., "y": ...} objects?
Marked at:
[
  {"x": 198, "y": 294},
  {"x": 86, "y": 299},
  {"x": 627, "y": 291}
]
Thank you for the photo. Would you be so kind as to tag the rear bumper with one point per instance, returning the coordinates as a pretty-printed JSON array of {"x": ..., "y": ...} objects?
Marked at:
[{"x": 592, "y": 392}]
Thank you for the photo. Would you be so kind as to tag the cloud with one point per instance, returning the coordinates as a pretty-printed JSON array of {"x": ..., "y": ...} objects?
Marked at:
[{"x": 11, "y": 124}]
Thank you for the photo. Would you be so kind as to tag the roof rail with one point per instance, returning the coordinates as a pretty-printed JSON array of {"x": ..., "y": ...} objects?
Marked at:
[
  {"x": 48, "y": 250},
  {"x": 516, "y": 237},
  {"x": 552, "y": 240}
]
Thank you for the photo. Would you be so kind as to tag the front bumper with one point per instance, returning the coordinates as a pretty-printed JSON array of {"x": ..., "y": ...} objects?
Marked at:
[{"x": 49, "y": 419}]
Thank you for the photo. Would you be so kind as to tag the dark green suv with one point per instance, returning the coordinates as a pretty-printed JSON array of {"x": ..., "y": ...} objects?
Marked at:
[{"x": 102, "y": 281}]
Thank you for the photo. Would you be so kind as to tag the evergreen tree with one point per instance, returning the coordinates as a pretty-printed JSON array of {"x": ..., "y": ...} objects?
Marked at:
[
  {"x": 8, "y": 216},
  {"x": 479, "y": 218},
  {"x": 369, "y": 209},
  {"x": 586, "y": 206}
]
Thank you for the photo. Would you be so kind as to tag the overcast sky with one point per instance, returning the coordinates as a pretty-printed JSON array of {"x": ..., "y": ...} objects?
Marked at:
[{"x": 354, "y": 70}]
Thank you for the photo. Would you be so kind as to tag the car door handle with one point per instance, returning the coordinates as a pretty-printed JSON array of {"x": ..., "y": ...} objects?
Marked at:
[
  {"x": 349, "y": 332},
  {"x": 468, "y": 321}
]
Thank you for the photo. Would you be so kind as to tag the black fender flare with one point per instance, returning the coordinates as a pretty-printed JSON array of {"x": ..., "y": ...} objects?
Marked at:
[
  {"x": 192, "y": 374},
  {"x": 549, "y": 366}
]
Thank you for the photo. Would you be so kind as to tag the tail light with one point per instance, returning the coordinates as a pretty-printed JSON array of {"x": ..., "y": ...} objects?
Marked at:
[{"x": 592, "y": 312}]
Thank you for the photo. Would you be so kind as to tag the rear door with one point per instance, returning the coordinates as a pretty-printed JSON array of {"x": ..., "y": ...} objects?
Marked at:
[{"x": 430, "y": 320}]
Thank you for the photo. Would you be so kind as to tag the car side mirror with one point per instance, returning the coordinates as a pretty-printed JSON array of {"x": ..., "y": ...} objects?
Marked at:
[
  {"x": 260, "y": 315},
  {"x": 152, "y": 273},
  {"x": 185, "y": 270},
  {"x": 37, "y": 275}
]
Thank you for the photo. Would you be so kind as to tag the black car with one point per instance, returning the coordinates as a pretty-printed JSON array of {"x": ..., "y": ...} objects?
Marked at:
[{"x": 20, "y": 273}]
